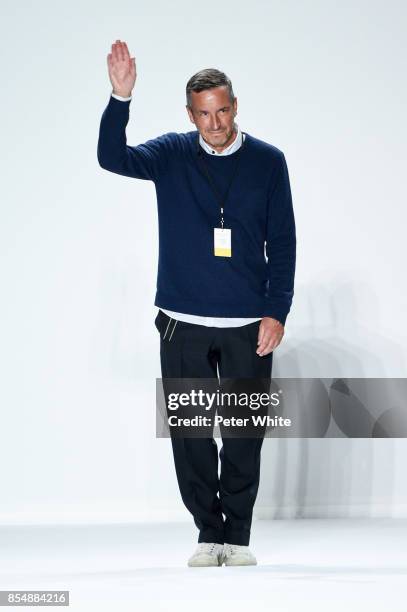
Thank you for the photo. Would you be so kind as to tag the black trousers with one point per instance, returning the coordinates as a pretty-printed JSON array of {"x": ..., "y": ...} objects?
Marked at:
[{"x": 188, "y": 350}]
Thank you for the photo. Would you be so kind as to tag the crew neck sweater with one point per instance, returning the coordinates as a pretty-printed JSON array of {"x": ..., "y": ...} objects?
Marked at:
[
  {"x": 258, "y": 279},
  {"x": 215, "y": 321}
]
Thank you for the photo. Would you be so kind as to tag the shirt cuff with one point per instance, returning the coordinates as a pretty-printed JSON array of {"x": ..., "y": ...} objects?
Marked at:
[{"x": 120, "y": 97}]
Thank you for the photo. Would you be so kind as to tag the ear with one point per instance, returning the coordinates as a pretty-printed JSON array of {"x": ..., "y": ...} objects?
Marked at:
[
  {"x": 235, "y": 106},
  {"x": 191, "y": 116}
]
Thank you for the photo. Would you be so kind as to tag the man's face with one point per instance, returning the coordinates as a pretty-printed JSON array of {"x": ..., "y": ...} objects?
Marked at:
[{"x": 213, "y": 114}]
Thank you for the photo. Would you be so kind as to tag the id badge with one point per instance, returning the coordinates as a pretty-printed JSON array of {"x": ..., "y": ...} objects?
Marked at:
[{"x": 222, "y": 239}]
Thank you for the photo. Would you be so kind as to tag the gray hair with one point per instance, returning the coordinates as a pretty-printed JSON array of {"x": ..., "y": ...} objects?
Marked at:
[{"x": 207, "y": 79}]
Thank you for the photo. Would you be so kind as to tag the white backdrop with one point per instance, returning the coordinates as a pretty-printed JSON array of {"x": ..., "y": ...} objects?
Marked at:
[{"x": 324, "y": 82}]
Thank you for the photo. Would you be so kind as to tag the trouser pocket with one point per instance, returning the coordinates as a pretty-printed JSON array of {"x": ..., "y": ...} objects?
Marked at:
[{"x": 165, "y": 325}]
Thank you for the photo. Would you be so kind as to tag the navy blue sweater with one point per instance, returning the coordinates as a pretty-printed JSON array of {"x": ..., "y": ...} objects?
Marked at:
[{"x": 258, "y": 279}]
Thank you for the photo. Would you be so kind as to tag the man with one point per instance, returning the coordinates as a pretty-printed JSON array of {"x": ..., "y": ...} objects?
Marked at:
[{"x": 224, "y": 206}]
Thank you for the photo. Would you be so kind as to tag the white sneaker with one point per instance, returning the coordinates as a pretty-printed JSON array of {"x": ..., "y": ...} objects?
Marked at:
[
  {"x": 206, "y": 555},
  {"x": 234, "y": 554}
]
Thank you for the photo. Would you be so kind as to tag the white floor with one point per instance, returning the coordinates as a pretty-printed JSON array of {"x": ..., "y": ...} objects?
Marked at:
[{"x": 302, "y": 565}]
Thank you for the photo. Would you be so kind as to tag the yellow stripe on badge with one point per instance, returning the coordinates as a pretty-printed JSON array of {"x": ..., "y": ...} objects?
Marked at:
[
  {"x": 222, "y": 242},
  {"x": 223, "y": 252}
]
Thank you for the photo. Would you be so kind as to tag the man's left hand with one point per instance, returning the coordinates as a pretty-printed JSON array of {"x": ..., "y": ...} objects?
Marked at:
[{"x": 271, "y": 333}]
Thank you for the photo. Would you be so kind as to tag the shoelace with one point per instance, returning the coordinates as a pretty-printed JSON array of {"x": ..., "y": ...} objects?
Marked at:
[
  {"x": 233, "y": 549},
  {"x": 207, "y": 547}
]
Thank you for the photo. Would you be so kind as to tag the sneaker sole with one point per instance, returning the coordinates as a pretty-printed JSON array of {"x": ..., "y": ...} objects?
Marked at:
[
  {"x": 237, "y": 562},
  {"x": 203, "y": 563}
]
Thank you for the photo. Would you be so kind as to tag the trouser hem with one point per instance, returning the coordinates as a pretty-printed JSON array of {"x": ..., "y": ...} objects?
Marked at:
[
  {"x": 208, "y": 535},
  {"x": 242, "y": 538}
]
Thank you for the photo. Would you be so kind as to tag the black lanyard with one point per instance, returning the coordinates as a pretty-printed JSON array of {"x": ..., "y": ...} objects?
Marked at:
[{"x": 221, "y": 199}]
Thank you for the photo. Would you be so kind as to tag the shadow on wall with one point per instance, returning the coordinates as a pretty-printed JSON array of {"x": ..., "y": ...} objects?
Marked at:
[
  {"x": 334, "y": 477},
  {"x": 327, "y": 335}
]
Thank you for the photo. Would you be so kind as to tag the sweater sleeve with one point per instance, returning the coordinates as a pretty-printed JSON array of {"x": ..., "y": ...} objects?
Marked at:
[
  {"x": 145, "y": 161},
  {"x": 280, "y": 245}
]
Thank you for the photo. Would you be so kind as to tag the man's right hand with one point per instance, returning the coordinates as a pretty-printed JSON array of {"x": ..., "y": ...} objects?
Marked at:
[{"x": 122, "y": 69}]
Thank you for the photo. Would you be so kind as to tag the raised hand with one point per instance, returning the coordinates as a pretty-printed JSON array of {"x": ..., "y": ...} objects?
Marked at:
[{"x": 122, "y": 69}]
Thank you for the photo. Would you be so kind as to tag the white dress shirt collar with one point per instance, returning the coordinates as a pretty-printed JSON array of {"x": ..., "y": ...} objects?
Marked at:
[{"x": 230, "y": 149}]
